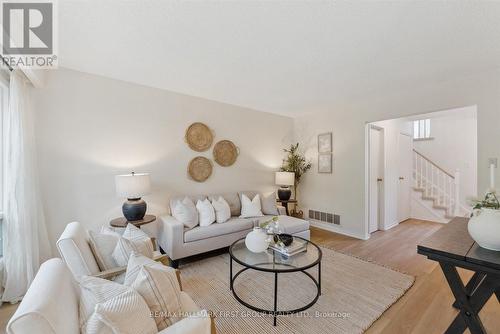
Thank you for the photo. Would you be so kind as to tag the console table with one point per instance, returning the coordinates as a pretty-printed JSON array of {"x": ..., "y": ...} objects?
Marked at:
[
  {"x": 285, "y": 204},
  {"x": 122, "y": 221},
  {"x": 453, "y": 247}
]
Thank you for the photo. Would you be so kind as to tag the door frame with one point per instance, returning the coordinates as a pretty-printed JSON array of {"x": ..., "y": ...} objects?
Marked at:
[
  {"x": 368, "y": 127},
  {"x": 410, "y": 179}
]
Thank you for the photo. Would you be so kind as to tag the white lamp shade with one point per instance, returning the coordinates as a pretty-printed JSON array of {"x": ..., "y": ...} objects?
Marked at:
[
  {"x": 285, "y": 178},
  {"x": 132, "y": 185}
]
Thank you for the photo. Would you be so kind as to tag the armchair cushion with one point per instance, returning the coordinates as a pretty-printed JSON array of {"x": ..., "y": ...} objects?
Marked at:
[
  {"x": 196, "y": 323},
  {"x": 109, "y": 307},
  {"x": 103, "y": 245},
  {"x": 133, "y": 240}
]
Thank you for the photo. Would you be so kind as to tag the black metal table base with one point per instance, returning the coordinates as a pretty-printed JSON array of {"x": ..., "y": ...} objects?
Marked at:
[
  {"x": 470, "y": 299},
  {"x": 275, "y": 311}
]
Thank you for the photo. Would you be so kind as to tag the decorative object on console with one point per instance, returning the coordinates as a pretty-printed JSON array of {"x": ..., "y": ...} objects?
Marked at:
[
  {"x": 295, "y": 163},
  {"x": 199, "y": 137},
  {"x": 257, "y": 241},
  {"x": 484, "y": 226},
  {"x": 225, "y": 153},
  {"x": 325, "y": 143},
  {"x": 132, "y": 187},
  {"x": 285, "y": 180},
  {"x": 200, "y": 169}
]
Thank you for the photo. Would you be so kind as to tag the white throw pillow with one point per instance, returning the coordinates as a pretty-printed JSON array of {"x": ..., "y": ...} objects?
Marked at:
[
  {"x": 222, "y": 210},
  {"x": 185, "y": 212},
  {"x": 102, "y": 245},
  {"x": 269, "y": 204},
  {"x": 108, "y": 307},
  {"x": 250, "y": 208},
  {"x": 206, "y": 212},
  {"x": 159, "y": 287},
  {"x": 133, "y": 240}
]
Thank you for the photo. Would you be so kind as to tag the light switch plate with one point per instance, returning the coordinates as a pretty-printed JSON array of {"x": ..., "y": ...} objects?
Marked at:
[{"x": 493, "y": 161}]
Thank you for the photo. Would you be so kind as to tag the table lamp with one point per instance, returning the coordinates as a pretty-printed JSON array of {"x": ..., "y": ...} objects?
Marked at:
[
  {"x": 132, "y": 187},
  {"x": 285, "y": 180}
]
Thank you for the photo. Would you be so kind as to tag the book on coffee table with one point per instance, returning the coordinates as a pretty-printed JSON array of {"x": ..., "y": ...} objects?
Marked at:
[{"x": 297, "y": 246}]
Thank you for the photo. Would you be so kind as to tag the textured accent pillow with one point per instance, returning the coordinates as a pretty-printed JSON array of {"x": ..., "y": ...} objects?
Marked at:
[
  {"x": 140, "y": 239},
  {"x": 269, "y": 204},
  {"x": 159, "y": 287},
  {"x": 102, "y": 246},
  {"x": 250, "y": 208},
  {"x": 185, "y": 212},
  {"x": 222, "y": 210},
  {"x": 206, "y": 213},
  {"x": 108, "y": 307},
  {"x": 125, "y": 247},
  {"x": 135, "y": 262}
]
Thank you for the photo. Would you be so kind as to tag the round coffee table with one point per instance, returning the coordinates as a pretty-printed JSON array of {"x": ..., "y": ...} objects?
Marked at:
[{"x": 273, "y": 262}]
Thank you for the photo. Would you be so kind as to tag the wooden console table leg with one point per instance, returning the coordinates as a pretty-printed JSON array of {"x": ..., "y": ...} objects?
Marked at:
[
  {"x": 469, "y": 306},
  {"x": 474, "y": 282}
]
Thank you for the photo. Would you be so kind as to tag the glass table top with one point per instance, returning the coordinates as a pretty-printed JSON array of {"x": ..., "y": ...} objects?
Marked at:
[{"x": 274, "y": 261}]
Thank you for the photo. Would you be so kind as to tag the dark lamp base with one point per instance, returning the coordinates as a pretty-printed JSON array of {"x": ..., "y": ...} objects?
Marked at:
[
  {"x": 284, "y": 194},
  {"x": 134, "y": 209}
]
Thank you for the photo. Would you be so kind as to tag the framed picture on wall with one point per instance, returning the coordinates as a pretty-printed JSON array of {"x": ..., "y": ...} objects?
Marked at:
[
  {"x": 325, "y": 143},
  {"x": 325, "y": 163}
]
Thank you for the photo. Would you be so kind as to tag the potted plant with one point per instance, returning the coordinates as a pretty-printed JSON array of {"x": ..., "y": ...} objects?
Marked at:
[
  {"x": 296, "y": 163},
  {"x": 484, "y": 225}
]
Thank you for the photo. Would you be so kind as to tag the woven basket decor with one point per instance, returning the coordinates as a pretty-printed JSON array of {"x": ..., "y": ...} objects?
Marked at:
[
  {"x": 199, "y": 137},
  {"x": 200, "y": 169},
  {"x": 225, "y": 153}
]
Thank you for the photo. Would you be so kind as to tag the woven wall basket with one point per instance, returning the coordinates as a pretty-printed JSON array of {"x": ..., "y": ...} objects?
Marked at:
[
  {"x": 225, "y": 153},
  {"x": 200, "y": 169},
  {"x": 199, "y": 137}
]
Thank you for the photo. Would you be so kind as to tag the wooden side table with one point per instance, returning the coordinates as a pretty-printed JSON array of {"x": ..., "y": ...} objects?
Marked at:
[
  {"x": 285, "y": 204},
  {"x": 122, "y": 221}
]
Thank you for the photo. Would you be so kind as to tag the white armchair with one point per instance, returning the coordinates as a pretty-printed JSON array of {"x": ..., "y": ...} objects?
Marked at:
[
  {"x": 51, "y": 306},
  {"x": 74, "y": 248}
]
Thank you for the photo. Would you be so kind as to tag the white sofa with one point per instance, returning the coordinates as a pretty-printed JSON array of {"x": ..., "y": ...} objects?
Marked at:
[
  {"x": 178, "y": 242},
  {"x": 51, "y": 306}
]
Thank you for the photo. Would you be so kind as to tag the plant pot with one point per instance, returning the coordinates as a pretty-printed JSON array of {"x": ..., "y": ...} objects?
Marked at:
[
  {"x": 484, "y": 228},
  {"x": 257, "y": 241}
]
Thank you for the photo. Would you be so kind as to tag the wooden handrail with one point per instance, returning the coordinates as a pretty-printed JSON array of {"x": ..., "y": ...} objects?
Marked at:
[{"x": 434, "y": 164}]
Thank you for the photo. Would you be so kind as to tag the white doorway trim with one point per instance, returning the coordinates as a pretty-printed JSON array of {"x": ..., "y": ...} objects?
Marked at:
[{"x": 368, "y": 127}]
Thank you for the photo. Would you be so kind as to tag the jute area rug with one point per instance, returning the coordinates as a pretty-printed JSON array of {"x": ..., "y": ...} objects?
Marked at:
[{"x": 355, "y": 293}]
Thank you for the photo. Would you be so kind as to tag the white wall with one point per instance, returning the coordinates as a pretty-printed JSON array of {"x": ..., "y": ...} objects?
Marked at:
[
  {"x": 90, "y": 128},
  {"x": 343, "y": 191},
  {"x": 454, "y": 146}
]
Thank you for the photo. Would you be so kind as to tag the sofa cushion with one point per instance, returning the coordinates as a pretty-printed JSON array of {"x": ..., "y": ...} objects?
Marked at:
[
  {"x": 233, "y": 225},
  {"x": 193, "y": 198},
  {"x": 232, "y": 199},
  {"x": 269, "y": 206},
  {"x": 292, "y": 225}
]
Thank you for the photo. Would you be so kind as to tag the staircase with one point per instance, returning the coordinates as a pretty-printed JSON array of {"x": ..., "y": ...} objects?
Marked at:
[{"x": 439, "y": 190}]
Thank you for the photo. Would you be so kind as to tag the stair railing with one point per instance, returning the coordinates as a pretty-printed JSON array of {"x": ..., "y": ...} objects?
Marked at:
[{"x": 437, "y": 183}]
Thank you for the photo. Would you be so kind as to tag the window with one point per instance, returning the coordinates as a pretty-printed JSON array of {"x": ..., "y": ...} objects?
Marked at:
[{"x": 422, "y": 129}]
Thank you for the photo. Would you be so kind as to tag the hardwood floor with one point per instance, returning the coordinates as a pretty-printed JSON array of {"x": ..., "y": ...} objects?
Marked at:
[{"x": 426, "y": 307}]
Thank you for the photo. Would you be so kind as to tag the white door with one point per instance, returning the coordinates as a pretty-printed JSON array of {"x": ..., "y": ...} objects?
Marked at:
[
  {"x": 376, "y": 163},
  {"x": 405, "y": 170}
]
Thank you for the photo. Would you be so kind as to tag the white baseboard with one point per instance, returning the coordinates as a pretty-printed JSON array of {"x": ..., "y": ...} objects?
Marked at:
[{"x": 336, "y": 229}]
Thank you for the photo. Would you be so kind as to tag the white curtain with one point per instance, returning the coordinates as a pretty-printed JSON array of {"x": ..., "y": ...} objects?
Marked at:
[{"x": 26, "y": 243}]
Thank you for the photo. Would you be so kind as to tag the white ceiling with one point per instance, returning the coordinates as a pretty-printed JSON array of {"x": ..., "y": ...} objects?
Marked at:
[{"x": 279, "y": 56}]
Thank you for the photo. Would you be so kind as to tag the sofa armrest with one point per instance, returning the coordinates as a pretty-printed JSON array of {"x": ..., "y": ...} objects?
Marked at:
[
  {"x": 170, "y": 235},
  {"x": 281, "y": 210}
]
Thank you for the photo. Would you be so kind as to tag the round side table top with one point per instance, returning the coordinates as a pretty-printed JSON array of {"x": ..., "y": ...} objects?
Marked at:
[{"x": 122, "y": 221}]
